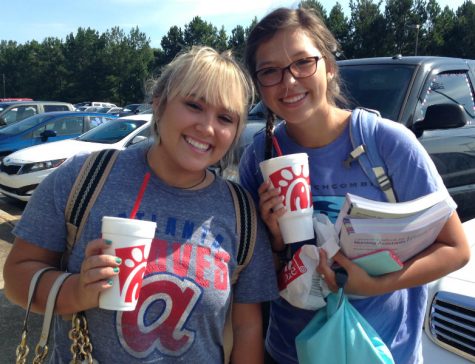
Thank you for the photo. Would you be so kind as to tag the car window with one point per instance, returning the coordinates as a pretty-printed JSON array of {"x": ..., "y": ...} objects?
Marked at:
[
  {"x": 26, "y": 124},
  {"x": 378, "y": 87},
  {"x": 49, "y": 108},
  {"x": 19, "y": 113},
  {"x": 92, "y": 121},
  {"x": 63, "y": 126},
  {"x": 112, "y": 131},
  {"x": 448, "y": 87}
]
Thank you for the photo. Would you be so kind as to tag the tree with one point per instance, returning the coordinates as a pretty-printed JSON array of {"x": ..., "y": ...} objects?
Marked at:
[
  {"x": 85, "y": 62},
  {"x": 338, "y": 25},
  {"x": 200, "y": 32},
  {"x": 367, "y": 25},
  {"x": 315, "y": 5},
  {"x": 462, "y": 37},
  {"x": 172, "y": 44},
  {"x": 51, "y": 80},
  {"x": 237, "y": 42},
  {"x": 405, "y": 21},
  {"x": 130, "y": 61}
]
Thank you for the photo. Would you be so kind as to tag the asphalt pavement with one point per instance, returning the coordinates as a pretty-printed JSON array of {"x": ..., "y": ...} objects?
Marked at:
[{"x": 11, "y": 316}]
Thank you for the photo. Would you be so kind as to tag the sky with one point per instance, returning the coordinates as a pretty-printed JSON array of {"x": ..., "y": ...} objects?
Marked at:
[{"x": 27, "y": 20}]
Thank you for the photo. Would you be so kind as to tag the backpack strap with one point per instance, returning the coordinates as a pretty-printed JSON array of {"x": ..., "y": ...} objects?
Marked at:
[
  {"x": 246, "y": 224},
  {"x": 362, "y": 135},
  {"x": 86, "y": 188}
]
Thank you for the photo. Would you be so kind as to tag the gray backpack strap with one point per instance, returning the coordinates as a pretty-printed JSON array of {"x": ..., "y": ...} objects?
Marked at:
[
  {"x": 365, "y": 150},
  {"x": 246, "y": 224},
  {"x": 84, "y": 192}
]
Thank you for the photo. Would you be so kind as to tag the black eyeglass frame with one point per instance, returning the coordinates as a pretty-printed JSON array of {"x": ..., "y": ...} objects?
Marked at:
[{"x": 289, "y": 68}]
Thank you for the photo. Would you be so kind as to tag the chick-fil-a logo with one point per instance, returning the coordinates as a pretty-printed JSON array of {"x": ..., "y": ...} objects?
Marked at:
[
  {"x": 131, "y": 271},
  {"x": 294, "y": 183}
]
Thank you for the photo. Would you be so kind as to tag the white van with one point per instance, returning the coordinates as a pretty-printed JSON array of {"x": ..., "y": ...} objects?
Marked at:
[{"x": 102, "y": 104}]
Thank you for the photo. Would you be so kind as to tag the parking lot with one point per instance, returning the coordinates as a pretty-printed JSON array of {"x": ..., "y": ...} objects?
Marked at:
[{"x": 11, "y": 317}]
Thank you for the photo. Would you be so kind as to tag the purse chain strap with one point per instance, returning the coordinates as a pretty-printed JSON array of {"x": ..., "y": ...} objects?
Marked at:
[{"x": 81, "y": 346}]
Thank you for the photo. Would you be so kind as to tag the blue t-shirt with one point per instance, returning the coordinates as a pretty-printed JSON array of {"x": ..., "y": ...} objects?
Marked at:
[
  {"x": 186, "y": 289},
  {"x": 397, "y": 316}
]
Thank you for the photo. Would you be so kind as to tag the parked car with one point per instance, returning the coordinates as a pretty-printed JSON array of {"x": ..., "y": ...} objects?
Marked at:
[
  {"x": 432, "y": 96},
  {"x": 94, "y": 103},
  {"x": 449, "y": 328},
  {"x": 48, "y": 127},
  {"x": 115, "y": 110},
  {"x": 22, "y": 171},
  {"x": 14, "y": 111},
  {"x": 133, "y": 109}
]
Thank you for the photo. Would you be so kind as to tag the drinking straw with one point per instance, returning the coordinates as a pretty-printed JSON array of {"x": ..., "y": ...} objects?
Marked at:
[
  {"x": 140, "y": 195},
  {"x": 276, "y": 146}
]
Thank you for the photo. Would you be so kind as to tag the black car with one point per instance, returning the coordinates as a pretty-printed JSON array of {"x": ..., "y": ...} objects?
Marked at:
[{"x": 432, "y": 96}]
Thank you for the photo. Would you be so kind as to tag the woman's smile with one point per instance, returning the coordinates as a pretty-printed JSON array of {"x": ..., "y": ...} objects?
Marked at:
[{"x": 200, "y": 146}]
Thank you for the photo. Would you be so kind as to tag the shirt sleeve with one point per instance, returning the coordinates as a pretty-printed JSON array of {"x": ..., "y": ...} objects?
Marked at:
[
  {"x": 250, "y": 176},
  {"x": 43, "y": 220},
  {"x": 410, "y": 167}
]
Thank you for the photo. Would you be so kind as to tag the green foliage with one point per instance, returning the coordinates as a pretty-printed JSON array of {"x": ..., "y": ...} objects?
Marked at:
[
  {"x": 315, "y": 5},
  {"x": 115, "y": 66}
]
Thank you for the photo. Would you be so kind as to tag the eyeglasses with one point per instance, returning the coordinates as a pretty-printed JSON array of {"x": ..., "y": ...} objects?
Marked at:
[{"x": 301, "y": 68}]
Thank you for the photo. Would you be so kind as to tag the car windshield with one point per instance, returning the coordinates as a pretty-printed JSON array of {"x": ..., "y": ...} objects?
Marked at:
[
  {"x": 379, "y": 87},
  {"x": 23, "y": 125},
  {"x": 112, "y": 131},
  {"x": 103, "y": 109},
  {"x": 131, "y": 107}
]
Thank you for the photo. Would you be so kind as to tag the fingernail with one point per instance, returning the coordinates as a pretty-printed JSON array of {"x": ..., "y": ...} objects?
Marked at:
[
  {"x": 116, "y": 270},
  {"x": 108, "y": 242},
  {"x": 118, "y": 260},
  {"x": 109, "y": 282}
]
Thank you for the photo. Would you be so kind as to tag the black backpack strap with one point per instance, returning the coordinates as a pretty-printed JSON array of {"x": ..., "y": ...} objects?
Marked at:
[
  {"x": 84, "y": 192},
  {"x": 246, "y": 224}
]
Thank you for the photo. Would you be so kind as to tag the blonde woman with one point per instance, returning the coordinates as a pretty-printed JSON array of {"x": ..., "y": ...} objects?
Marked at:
[{"x": 200, "y": 107}]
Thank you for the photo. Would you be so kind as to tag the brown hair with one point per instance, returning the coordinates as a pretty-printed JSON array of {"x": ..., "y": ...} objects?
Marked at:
[{"x": 310, "y": 22}]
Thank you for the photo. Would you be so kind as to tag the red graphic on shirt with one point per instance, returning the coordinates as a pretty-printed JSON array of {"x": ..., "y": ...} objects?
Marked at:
[
  {"x": 163, "y": 330},
  {"x": 132, "y": 269},
  {"x": 176, "y": 277},
  {"x": 295, "y": 186}
]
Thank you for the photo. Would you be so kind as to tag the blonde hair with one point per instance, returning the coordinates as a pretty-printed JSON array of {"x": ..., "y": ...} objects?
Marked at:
[{"x": 204, "y": 73}]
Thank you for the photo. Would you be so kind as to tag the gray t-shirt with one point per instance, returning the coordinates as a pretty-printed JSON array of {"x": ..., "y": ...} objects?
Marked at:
[{"x": 182, "y": 306}]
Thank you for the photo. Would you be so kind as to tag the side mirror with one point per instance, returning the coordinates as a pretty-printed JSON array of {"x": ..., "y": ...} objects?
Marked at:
[
  {"x": 443, "y": 116},
  {"x": 138, "y": 139},
  {"x": 47, "y": 134}
]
